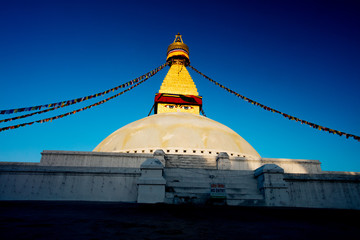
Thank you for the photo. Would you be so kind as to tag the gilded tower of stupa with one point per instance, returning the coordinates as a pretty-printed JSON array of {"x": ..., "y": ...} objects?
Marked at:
[{"x": 178, "y": 92}]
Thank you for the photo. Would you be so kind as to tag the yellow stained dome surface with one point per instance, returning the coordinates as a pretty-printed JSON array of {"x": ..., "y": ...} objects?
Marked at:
[{"x": 177, "y": 133}]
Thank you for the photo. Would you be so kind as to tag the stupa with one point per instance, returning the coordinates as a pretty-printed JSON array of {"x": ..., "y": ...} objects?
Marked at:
[
  {"x": 177, "y": 127},
  {"x": 178, "y": 156}
]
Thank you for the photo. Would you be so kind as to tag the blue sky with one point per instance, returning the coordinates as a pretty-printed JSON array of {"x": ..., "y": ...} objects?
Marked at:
[{"x": 299, "y": 57}]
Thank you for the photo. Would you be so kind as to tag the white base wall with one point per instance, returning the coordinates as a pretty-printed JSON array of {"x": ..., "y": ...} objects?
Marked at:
[
  {"x": 88, "y": 176},
  {"x": 68, "y": 183},
  {"x": 327, "y": 190}
]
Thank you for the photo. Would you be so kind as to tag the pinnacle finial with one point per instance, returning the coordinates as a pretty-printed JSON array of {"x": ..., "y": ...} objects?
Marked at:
[
  {"x": 178, "y": 50},
  {"x": 178, "y": 38}
]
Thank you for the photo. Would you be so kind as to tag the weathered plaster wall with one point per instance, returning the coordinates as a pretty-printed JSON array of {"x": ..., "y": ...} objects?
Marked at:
[
  {"x": 289, "y": 165},
  {"x": 21, "y": 182},
  {"x": 324, "y": 190},
  {"x": 92, "y": 159},
  {"x": 88, "y": 176},
  {"x": 327, "y": 190}
]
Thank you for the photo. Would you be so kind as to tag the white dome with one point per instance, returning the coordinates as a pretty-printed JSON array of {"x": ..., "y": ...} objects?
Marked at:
[{"x": 177, "y": 133}]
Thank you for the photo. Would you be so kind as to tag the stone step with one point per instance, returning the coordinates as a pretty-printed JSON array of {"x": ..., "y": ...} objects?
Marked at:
[
  {"x": 192, "y": 182},
  {"x": 227, "y": 174},
  {"x": 244, "y": 196},
  {"x": 206, "y": 192},
  {"x": 193, "y": 185},
  {"x": 195, "y": 192},
  {"x": 207, "y": 184},
  {"x": 229, "y": 192},
  {"x": 245, "y": 202},
  {"x": 190, "y": 190},
  {"x": 186, "y": 198},
  {"x": 190, "y": 164},
  {"x": 191, "y": 158},
  {"x": 203, "y": 166},
  {"x": 194, "y": 167},
  {"x": 188, "y": 184},
  {"x": 245, "y": 183},
  {"x": 242, "y": 190},
  {"x": 189, "y": 195}
]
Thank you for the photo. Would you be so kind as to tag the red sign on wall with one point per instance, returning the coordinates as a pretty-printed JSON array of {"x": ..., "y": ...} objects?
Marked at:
[{"x": 217, "y": 190}]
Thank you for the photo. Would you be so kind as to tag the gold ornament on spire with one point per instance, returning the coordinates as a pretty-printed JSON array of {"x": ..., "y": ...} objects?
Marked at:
[{"x": 178, "y": 50}]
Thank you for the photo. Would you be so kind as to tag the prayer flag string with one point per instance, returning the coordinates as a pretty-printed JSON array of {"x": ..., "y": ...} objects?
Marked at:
[
  {"x": 202, "y": 112},
  {"x": 77, "y": 100},
  {"x": 313, "y": 125},
  {"x": 152, "y": 73}
]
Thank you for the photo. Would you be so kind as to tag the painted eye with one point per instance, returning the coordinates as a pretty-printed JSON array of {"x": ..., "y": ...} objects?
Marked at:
[
  {"x": 170, "y": 106},
  {"x": 187, "y": 107}
]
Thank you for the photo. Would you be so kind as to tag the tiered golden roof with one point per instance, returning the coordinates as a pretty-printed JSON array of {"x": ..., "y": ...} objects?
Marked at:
[{"x": 178, "y": 81}]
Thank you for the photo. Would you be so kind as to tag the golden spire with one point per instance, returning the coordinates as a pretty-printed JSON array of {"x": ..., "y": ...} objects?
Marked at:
[
  {"x": 178, "y": 81},
  {"x": 178, "y": 92}
]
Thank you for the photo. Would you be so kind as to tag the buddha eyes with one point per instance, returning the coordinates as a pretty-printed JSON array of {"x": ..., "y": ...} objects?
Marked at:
[
  {"x": 170, "y": 106},
  {"x": 178, "y": 106}
]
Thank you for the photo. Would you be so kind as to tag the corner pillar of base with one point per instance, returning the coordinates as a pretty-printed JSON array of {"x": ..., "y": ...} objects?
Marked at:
[
  {"x": 161, "y": 156},
  {"x": 151, "y": 184},
  {"x": 223, "y": 161},
  {"x": 271, "y": 184}
]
